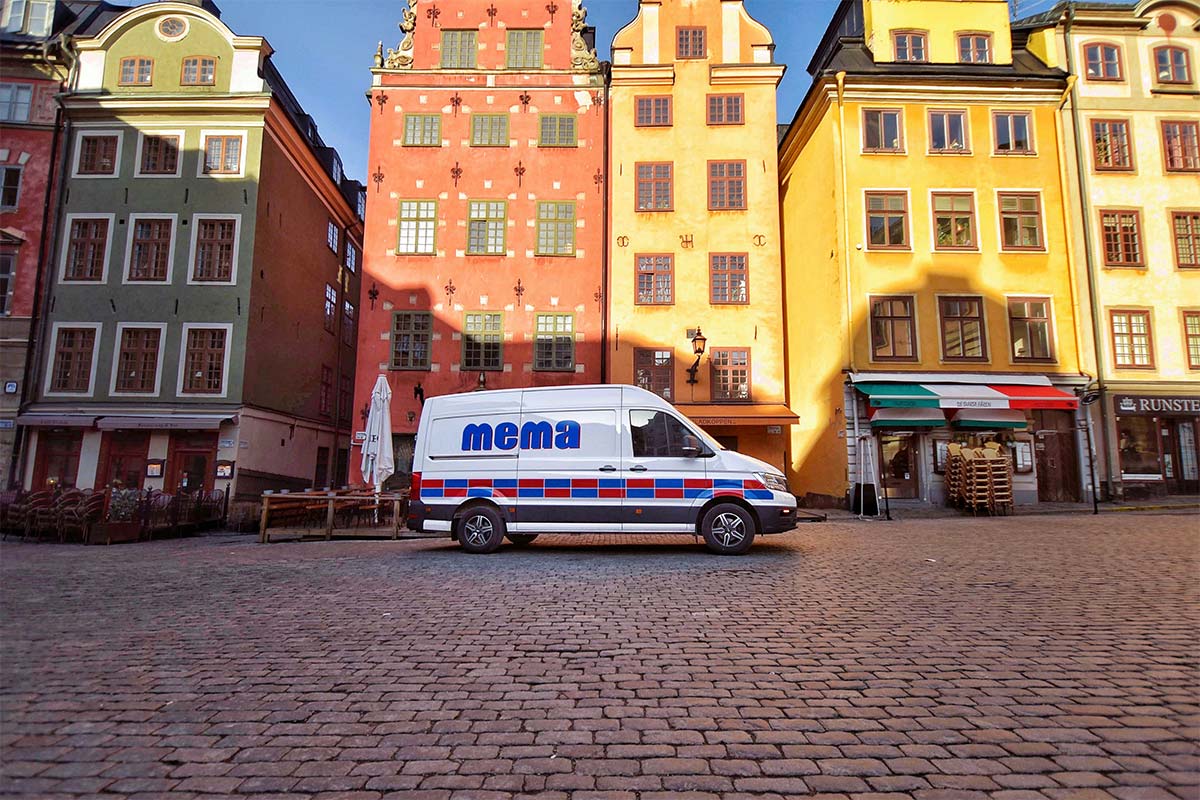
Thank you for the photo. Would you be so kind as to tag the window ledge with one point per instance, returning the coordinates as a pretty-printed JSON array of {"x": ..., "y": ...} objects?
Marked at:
[{"x": 1174, "y": 90}]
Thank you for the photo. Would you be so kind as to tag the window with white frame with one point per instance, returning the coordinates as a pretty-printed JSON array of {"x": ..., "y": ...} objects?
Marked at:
[
  {"x": 332, "y": 235},
  {"x": 30, "y": 17},
  {"x": 16, "y": 99}
]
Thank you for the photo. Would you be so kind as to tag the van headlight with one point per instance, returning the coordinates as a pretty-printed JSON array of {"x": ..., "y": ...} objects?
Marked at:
[{"x": 772, "y": 481}]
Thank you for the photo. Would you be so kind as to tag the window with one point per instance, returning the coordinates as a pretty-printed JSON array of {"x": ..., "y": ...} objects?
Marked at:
[
  {"x": 486, "y": 221},
  {"x": 136, "y": 71},
  {"x": 1122, "y": 236},
  {"x": 1029, "y": 328},
  {"x": 412, "y": 332},
  {"x": 1111, "y": 145},
  {"x": 72, "y": 368},
  {"x": 199, "y": 71},
  {"x": 345, "y": 398},
  {"x": 8, "y": 269},
  {"x": 331, "y": 298},
  {"x": 1102, "y": 62},
  {"x": 654, "y": 189},
  {"x": 10, "y": 187},
  {"x": 554, "y": 342},
  {"x": 489, "y": 130},
  {"x": 332, "y": 236},
  {"x": 87, "y": 250},
  {"x": 422, "y": 130},
  {"x": 16, "y": 99},
  {"x": 1191, "y": 338},
  {"x": 964, "y": 337},
  {"x": 160, "y": 155},
  {"x": 1012, "y": 130},
  {"x": 893, "y": 329},
  {"x": 1139, "y": 443},
  {"x": 137, "y": 361},
  {"x": 1181, "y": 145},
  {"x": 974, "y": 48},
  {"x": 726, "y": 185},
  {"x": 948, "y": 132},
  {"x": 150, "y": 249},
  {"x": 31, "y": 17},
  {"x": 1133, "y": 347},
  {"x": 882, "y": 131},
  {"x": 728, "y": 278},
  {"x": 654, "y": 371},
  {"x": 204, "y": 361},
  {"x": 658, "y": 434},
  {"x": 953, "y": 221},
  {"x": 1186, "y": 227},
  {"x": 483, "y": 337},
  {"x": 216, "y": 240},
  {"x": 909, "y": 46},
  {"x": 222, "y": 155},
  {"x": 652, "y": 111},
  {"x": 524, "y": 49},
  {"x": 556, "y": 130},
  {"x": 555, "y": 229},
  {"x": 1172, "y": 65},
  {"x": 730, "y": 374},
  {"x": 1020, "y": 221},
  {"x": 459, "y": 49},
  {"x": 98, "y": 155},
  {"x": 725, "y": 109},
  {"x": 349, "y": 325},
  {"x": 655, "y": 280},
  {"x": 351, "y": 259},
  {"x": 325, "y": 397},
  {"x": 887, "y": 220},
  {"x": 690, "y": 43},
  {"x": 417, "y": 221}
]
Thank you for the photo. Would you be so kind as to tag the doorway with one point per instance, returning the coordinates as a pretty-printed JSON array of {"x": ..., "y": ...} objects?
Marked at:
[
  {"x": 1180, "y": 466},
  {"x": 124, "y": 459},
  {"x": 898, "y": 465},
  {"x": 57, "y": 462},
  {"x": 191, "y": 462},
  {"x": 1057, "y": 461}
]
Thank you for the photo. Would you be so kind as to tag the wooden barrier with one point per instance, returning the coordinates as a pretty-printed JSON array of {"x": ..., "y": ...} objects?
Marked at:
[{"x": 318, "y": 514}]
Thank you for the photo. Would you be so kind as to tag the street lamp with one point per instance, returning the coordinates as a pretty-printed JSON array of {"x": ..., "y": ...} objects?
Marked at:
[
  {"x": 481, "y": 384},
  {"x": 698, "y": 342}
]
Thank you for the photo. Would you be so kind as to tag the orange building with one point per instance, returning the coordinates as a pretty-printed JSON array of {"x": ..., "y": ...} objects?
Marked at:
[{"x": 484, "y": 245}]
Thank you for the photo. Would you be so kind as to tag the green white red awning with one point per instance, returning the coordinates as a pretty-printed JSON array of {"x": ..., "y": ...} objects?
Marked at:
[{"x": 966, "y": 395}]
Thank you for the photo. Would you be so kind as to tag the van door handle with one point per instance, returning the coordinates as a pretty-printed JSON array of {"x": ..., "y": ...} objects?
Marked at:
[
  {"x": 608, "y": 468},
  {"x": 638, "y": 468}
]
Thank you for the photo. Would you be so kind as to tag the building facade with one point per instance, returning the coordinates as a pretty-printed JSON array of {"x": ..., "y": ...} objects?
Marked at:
[
  {"x": 1132, "y": 157},
  {"x": 205, "y": 234},
  {"x": 694, "y": 232},
  {"x": 484, "y": 246},
  {"x": 921, "y": 184}
]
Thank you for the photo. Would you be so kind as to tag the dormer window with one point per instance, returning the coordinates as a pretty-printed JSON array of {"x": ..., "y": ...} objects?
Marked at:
[
  {"x": 137, "y": 71},
  {"x": 909, "y": 46},
  {"x": 974, "y": 48},
  {"x": 31, "y": 17},
  {"x": 1103, "y": 62},
  {"x": 1172, "y": 65},
  {"x": 690, "y": 42}
]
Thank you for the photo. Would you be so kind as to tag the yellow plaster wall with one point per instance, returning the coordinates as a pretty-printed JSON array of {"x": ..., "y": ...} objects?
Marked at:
[{"x": 942, "y": 20}]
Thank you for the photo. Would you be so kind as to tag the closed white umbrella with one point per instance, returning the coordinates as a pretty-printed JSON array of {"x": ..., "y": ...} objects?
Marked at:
[{"x": 378, "y": 462}]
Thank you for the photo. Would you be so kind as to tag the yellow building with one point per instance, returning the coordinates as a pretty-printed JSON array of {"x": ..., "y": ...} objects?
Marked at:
[
  {"x": 1132, "y": 154},
  {"x": 928, "y": 272},
  {"x": 694, "y": 222}
]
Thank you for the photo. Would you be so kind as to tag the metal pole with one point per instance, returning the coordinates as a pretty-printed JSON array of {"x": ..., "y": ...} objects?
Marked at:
[
  {"x": 1087, "y": 428},
  {"x": 887, "y": 503}
]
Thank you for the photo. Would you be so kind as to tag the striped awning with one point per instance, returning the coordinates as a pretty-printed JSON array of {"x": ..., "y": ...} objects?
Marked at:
[{"x": 965, "y": 395}]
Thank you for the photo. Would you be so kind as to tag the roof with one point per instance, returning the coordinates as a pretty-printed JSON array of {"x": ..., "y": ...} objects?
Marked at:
[{"x": 1052, "y": 15}]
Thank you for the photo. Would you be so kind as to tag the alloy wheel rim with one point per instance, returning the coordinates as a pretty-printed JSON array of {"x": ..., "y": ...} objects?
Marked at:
[
  {"x": 729, "y": 530},
  {"x": 478, "y": 530}
]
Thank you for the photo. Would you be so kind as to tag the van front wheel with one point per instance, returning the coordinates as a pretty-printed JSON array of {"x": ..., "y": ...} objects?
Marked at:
[
  {"x": 728, "y": 530},
  {"x": 480, "y": 530}
]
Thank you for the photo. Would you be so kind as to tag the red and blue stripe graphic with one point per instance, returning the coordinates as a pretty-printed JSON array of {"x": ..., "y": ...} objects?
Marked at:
[{"x": 594, "y": 488}]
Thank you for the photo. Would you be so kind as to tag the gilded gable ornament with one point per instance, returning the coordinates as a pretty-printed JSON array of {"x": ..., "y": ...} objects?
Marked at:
[
  {"x": 401, "y": 57},
  {"x": 582, "y": 58}
]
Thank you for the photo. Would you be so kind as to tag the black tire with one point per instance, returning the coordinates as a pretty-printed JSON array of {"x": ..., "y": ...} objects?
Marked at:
[
  {"x": 480, "y": 530},
  {"x": 521, "y": 539},
  {"x": 728, "y": 530}
]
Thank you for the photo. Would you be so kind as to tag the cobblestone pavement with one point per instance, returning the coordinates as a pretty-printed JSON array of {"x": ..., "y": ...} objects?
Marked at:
[{"x": 958, "y": 658}]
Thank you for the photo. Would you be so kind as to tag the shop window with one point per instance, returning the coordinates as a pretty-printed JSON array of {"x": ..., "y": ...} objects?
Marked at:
[
  {"x": 422, "y": 130},
  {"x": 555, "y": 229},
  {"x": 974, "y": 48},
  {"x": 98, "y": 154},
  {"x": 1138, "y": 445},
  {"x": 883, "y": 130},
  {"x": 1181, "y": 145},
  {"x": 1020, "y": 221},
  {"x": 149, "y": 256},
  {"x": 654, "y": 186},
  {"x": 556, "y": 130},
  {"x": 58, "y": 459},
  {"x": 954, "y": 221},
  {"x": 1013, "y": 133},
  {"x": 1121, "y": 232},
  {"x": 199, "y": 71},
  {"x": 909, "y": 46},
  {"x": 690, "y": 42},
  {"x": 416, "y": 224},
  {"x": 486, "y": 221},
  {"x": 483, "y": 340},
  {"x": 726, "y": 185},
  {"x": 655, "y": 280},
  {"x": 654, "y": 371},
  {"x": 1191, "y": 338},
  {"x": 1132, "y": 340},
  {"x": 412, "y": 332},
  {"x": 71, "y": 370},
  {"x": 1172, "y": 65},
  {"x": 554, "y": 342},
  {"x": 1186, "y": 227},
  {"x": 204, "y": 360},
  {"x": 730, "y": 374},
  {"x": 489, "y": 130},
  {"x": 725, "y": 109},
  {"x": 948, "y": 132},
  {"x": 728, "y": 279},
  {"x": 887, "y": 220},
  {"x": 87, "y": 250},
  {"x": 964, "y": 337},
  {"x": 893, "y": 329},
  {"x": 1111, "y": 146},
  {"x": 1102, "y": 62},
  {"x": 137, "y": 360},
  {"x": 136, "y": 71},
  {"x": 1029, "y": 329},
  {"x": 459, "y": 49},
  {"x": 216, "y": 244},
  {"x": 652, "y": 112},
  {"x": 523, "y": 49}
]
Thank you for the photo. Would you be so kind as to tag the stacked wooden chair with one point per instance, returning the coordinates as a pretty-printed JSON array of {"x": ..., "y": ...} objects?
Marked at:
[{"x": 980, "y": 479}]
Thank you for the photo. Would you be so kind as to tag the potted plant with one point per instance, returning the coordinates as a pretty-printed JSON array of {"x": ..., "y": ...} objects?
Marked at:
[{"x": 122, "y": 523}]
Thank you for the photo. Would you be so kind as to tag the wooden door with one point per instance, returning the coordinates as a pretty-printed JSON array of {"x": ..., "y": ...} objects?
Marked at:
[
  {"x": 1057, "y": 464},
  {"x": 123, "y": 458},
  {"x": 191, "y": 462},
  {"x": 1180, "y": 451},
  {"x": 898, "y": 463}
]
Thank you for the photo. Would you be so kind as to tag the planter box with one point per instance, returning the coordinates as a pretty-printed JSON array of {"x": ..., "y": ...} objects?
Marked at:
[{"x": 115, "y": 532}]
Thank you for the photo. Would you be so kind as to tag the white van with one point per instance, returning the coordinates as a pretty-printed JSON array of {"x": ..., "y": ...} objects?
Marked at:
[{"x": 584, "y": 459}]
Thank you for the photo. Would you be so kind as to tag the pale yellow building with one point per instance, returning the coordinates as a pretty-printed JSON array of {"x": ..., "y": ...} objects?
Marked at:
[
  {"x": 1132, "y": 159},
  {"x": 694, "y": 219}
]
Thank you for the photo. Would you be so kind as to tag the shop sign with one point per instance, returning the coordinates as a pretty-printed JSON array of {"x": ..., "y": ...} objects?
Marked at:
[
  {"x": 7, "y": 424},
  {"x": 1143, "y": 404},
  {"x": 705, "y": 422}
]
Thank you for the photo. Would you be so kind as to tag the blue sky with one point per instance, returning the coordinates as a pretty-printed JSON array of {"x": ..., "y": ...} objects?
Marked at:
[{"x": 324, "y": 50}]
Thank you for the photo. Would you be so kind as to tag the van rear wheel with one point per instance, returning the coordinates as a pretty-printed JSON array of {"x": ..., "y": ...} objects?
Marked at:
[
  {"x": 521, "y": 539},
  {"x": 480, "y": 530},
  {"x": 728, "y": 530}
]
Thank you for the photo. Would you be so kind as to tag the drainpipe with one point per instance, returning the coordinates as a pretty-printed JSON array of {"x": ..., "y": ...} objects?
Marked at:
[
  {"x": 1089, "y": 257},
  {"x": 841, "y": 98},
  {"x": 606, "y": 69}
]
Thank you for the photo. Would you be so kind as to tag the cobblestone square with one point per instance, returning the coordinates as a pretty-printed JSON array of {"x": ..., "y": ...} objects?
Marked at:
[{"x": 1021, "y": 659}]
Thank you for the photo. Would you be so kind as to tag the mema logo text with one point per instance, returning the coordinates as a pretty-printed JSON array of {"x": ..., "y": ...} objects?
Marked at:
[{"x": 530, "y": 436}]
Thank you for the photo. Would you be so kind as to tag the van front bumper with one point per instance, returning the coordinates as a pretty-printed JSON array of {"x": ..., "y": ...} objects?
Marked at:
[{"x": 776, "y": 519}]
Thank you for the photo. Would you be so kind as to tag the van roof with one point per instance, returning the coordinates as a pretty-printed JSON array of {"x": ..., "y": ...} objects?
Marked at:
[{"x": 498, "y": 393}]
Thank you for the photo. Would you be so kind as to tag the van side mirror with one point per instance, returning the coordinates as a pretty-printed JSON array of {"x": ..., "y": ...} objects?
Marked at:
[{"x": 691, "y": 447}]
